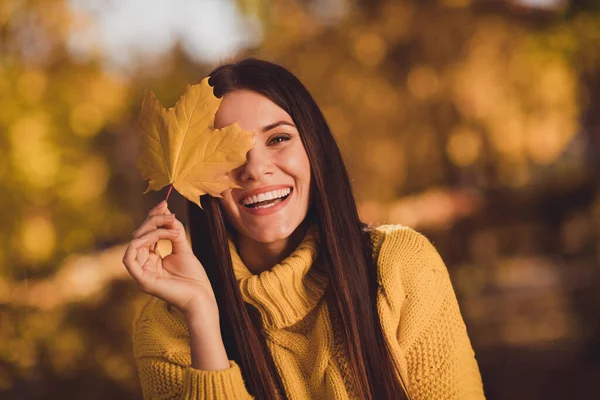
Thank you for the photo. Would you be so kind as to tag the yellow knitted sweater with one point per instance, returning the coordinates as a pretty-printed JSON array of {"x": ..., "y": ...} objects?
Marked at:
[{"x": 417, "y": 308}]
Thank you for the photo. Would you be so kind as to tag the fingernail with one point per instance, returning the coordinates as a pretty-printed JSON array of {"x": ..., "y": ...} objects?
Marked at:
[
  {"x": 163, "y": 203},
  {"x": 174, "y": 230},
  {"x": 170, "y": 216}
]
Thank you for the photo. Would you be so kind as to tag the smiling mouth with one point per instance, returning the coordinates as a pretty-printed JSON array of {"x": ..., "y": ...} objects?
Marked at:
[{"x": 268, "y": 203}]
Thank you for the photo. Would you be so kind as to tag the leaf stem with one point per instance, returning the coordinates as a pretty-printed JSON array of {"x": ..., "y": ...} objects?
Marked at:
[{"x": 169, "y": 192}]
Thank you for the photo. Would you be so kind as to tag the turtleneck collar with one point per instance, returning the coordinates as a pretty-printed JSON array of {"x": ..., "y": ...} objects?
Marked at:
[{"x": 288, "y": 291}]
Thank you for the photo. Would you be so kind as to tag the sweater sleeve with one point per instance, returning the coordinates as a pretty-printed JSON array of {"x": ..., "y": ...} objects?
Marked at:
[
  {"x": 163, "y": 358},
  {"x": 438, "y": 358}
]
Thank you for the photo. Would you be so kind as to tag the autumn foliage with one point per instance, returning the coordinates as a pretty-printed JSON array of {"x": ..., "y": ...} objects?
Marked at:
[
  {"x": 475, "y": 122},
  {"x": 180, "y": 146}
]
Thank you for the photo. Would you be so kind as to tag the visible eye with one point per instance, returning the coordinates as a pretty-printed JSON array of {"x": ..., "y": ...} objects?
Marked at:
[{"x": 279, "y": 139}]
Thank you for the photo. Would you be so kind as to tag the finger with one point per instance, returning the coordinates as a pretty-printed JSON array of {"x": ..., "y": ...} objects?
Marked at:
[
  {"x": 157, "y": 210},
  {"x": 150, "y": 239},
  {"x": 143, "y": 275},
  {"x": 143, "y": 255},
  {"x": 163, "y": 210},
  {"x": 180, "y": 242},
  {"x": 130, "y": 259},
  {"x": 154, "y": 236},
  {"x": 160, "y": 211},
  {"x": 153, "y": 258},
  {"x": 170, "y": 221},
  {"x": 131, "y": 263},
  {"x": 155, "y": 261},
  {"x": 152, "y": 223}
]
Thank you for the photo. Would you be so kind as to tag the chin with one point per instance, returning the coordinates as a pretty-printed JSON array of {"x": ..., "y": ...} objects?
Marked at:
[{"x": 269, "y": 234}]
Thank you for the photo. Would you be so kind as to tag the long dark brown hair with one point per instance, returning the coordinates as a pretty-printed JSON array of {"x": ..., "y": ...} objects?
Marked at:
[{"x": 345, "y": 246}]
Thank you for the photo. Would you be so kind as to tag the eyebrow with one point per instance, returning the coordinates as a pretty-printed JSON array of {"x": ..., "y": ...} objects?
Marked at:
[{"x": 275, "y": 125}]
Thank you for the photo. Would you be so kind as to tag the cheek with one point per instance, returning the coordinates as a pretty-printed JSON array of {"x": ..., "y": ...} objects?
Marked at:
[
  {"x": 296, "y": 162},
  {"x": 228, "y": 205},
  {"x": 297, "y": 165},
  {"x": 303, "y": 168},
  {"x": 306, "y": 169}
]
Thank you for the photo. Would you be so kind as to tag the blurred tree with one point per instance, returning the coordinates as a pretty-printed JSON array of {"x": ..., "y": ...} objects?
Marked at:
[
  {"x": 423, "y": 96},
  {"x": 56, "y": 113},
  {"x": 448, "y": 94}
]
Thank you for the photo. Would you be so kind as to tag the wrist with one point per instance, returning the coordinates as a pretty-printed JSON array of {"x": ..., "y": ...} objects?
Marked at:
[
  {"x": 206, "y": 343},
  {"x": 200, "y": 318}
]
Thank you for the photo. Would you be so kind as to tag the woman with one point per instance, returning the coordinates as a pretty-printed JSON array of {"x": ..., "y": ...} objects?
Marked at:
[{"x": 284, "y": 292}]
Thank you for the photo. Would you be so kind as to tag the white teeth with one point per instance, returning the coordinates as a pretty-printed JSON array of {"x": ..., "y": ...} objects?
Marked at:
[
  {"x": 273, "y": 194},
  {"x": 267, "y": 206}
]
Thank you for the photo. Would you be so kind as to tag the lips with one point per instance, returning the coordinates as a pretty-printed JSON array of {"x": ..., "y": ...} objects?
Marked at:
[
  {"x": 266, "y": 197},
  {"x": 263, "y": 211}
]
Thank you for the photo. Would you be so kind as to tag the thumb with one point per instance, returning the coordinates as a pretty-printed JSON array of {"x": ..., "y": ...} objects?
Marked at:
[{"x": 180, "y": 242}]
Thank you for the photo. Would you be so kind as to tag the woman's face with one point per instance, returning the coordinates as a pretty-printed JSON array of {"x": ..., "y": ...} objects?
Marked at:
[{"x": 275, "y": 181}]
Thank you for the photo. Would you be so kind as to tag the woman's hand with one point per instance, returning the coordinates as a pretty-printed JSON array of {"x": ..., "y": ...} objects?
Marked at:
[{"x": 178, "y": 278}]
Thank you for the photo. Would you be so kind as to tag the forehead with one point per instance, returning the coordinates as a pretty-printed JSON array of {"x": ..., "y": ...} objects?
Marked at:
[{"x": 252, "y": 111}]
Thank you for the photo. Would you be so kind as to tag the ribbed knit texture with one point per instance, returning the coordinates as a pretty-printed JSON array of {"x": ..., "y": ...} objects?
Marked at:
[{"x": 417, "y": 308}]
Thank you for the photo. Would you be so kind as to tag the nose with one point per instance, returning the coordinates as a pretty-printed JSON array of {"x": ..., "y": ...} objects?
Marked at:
[{"x": 257, "y": 167}]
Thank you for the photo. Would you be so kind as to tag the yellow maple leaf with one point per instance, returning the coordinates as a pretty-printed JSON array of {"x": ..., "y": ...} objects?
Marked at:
[{"x": 180, "y": 146}]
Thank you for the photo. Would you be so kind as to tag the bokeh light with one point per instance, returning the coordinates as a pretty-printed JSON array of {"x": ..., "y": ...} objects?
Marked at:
[{"x": 473, "y": 122}]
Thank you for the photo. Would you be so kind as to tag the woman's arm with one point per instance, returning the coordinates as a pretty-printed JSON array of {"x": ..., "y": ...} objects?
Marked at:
[
  {"x": 422, "y": 320},
  {"x": 206, "y": 345},
  {"x": 180, "y": 352},
  {"x": 440, "y": 359},
  {"x": 175, "y": 362}
]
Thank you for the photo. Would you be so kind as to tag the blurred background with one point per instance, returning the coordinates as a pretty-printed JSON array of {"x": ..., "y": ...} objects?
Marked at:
[{"x": 476, "y": 122}]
